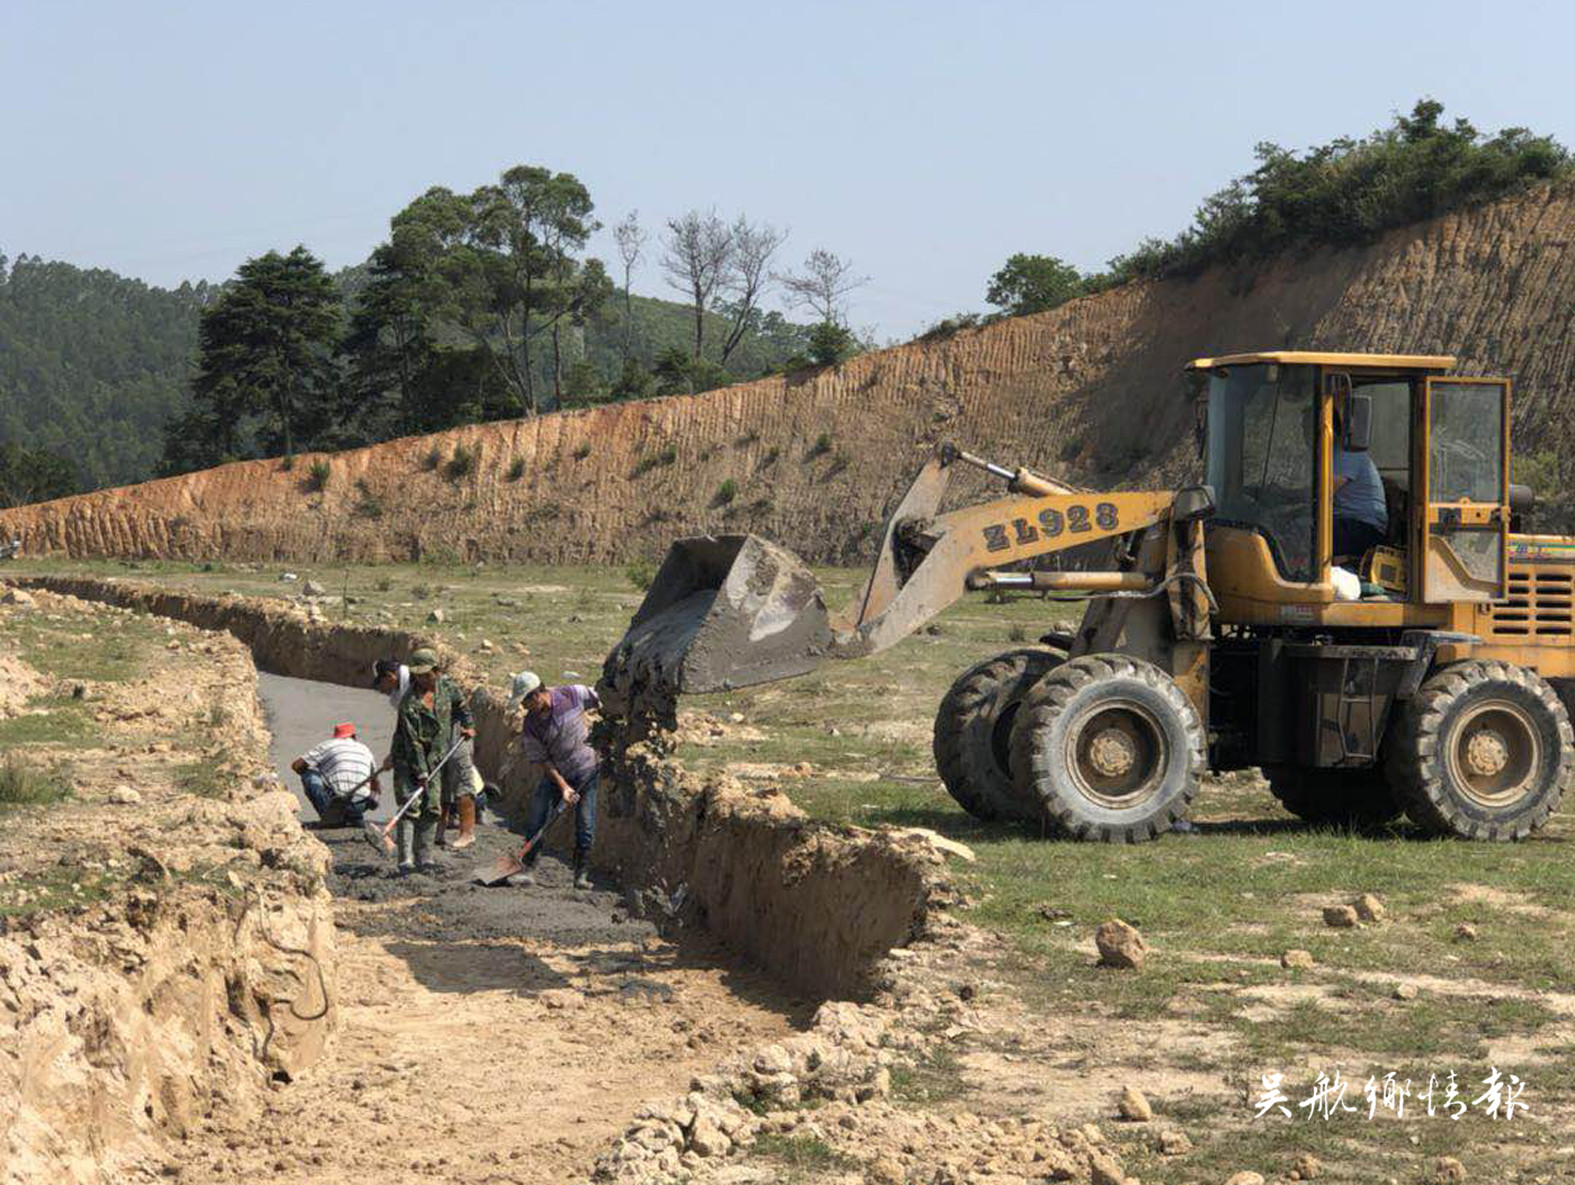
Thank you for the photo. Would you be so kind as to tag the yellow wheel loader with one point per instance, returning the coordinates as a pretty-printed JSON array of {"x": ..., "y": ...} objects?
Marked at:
[{"x": 1347, "y": 602}]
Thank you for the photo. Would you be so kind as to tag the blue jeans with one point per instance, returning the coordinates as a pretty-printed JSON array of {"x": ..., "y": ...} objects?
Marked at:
[
  {"x": 331, "y": 809},
  {"x": 547, "y": 797}
]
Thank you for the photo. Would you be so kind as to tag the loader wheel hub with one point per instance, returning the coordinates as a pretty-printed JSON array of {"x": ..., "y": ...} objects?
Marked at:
[
  {"x": 1117, "y": 754},
  {"x": 1495, "y": 754},
  {"x": 1486, "y": 753},
  {"x": 1112, "y": 753}
]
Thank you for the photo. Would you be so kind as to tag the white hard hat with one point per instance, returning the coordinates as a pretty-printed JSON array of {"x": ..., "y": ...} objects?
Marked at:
[{"x": 524, "y": 683}]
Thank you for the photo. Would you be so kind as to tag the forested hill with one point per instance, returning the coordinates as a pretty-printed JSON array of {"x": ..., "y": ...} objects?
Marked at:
[{"x": 92, "y": 364}]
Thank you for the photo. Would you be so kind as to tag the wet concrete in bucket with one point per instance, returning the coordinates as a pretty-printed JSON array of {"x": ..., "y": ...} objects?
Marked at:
[{"x": 301, "y": 712}]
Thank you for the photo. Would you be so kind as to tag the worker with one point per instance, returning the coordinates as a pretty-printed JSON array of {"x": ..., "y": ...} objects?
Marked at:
[
  {"x": 392, "y": 678},
  {"x": 339, "y": 778},
  {"x": 556, "y": 737},
  {"x": 461, "y": 782},
  {"x": 1361, "y": 520},
  {"x": 432, "y": 716}
]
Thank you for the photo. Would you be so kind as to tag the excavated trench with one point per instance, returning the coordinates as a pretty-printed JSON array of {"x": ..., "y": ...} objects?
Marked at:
[{"x": 720, "y": 919}]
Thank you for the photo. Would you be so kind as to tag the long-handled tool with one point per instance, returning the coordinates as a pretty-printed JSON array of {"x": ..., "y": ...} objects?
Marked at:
[
  {"x": 377, "y": 836},
  {"x": 506, "y": 866}
]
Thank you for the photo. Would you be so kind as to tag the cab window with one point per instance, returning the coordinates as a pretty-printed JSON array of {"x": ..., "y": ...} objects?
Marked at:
[{"x": 1261, "y": 428}]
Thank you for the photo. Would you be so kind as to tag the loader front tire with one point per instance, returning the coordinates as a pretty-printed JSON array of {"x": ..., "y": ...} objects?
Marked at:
[
  {"x": 1354, "y": 798},
  {"x": 1483, "y": 751},
  {"x": 1110, "y": 747},
  {"x": 973, "y": 730}
]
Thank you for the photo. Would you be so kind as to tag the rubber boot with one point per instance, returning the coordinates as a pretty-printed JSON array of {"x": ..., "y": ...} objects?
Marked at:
[
  {"x": 582, "y": 872},
  {"x": 426, "y": 831},
  {"x": 467, "y": 822},
  {"x": 404, "y": 837}
]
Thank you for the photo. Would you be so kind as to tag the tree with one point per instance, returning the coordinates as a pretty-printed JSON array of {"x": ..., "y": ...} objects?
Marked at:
[
  {"x": 1034, "y": 283},
  {"x": 831, "y": 342},
  {"x": 630, "y": 237},
  {"x": 822, "y": 285},
  {"x": 697, "y": 252},
  {"x": 747, "y": 277},
  {"x": 265, "y": 373},
  {"x": 33, "y": 475}
]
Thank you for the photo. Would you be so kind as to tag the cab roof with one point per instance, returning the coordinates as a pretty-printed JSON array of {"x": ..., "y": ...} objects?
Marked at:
[{"x": 1310, "y": 358}]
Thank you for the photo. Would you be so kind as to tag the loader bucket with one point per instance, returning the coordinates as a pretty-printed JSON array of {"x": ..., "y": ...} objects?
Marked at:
[{"x": 724, "y": 611}]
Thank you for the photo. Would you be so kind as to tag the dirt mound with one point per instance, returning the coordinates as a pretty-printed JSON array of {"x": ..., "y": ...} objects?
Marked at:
[
  {"x": 18, "y": 684},
  {"x": 814, "y": 459}
]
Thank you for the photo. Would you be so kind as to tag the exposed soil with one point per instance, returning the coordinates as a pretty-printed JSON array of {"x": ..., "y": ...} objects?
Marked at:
[{"x": 492, "y": 1035}]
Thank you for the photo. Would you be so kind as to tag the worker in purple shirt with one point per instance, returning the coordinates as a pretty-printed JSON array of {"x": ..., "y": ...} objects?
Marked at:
[{"x": 556, "y": 736}]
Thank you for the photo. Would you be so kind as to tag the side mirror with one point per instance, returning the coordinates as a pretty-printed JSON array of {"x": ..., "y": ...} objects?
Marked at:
[{"x": 1358, "y": 422}]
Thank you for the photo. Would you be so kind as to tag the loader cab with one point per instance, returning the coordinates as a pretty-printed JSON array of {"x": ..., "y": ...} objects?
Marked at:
[{"x": 1280, "y": 431}]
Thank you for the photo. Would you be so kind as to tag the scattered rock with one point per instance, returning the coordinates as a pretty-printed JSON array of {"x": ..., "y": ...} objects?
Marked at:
[
  {"x": 1298, "y": 959},
  {"x": 437, "y": 617},
  {"x": 885, "y": 1170},
  {"x": 486, "y": 646},
  {"x": 1404, "y": 991},
  {"x": 1174, "y": 1143},
  {"x": 1245, "y": 1178},
  {"x": 1133, "y": 1106},
  {"x": 1307, "y": 1167},
  {"x": 124, "y": 796},
  {"x": 172, "y": 644},
  {"x": 312, "y": 589},
  {"x": 1368, "y": 908},
  {"x": 1120, "y": 945},
  {"x": 15, "y": 596},
  {"x": 939, "y": 842},
  {"x": 561, "y": 998},
  {"x": 288, "y": 576},
  {"x": 1465, "y": 932},
  {"x": 1103, "y": 1170},
  {"x": 1341, "y": 917},
  {"x": 1446, "y": 1169}
]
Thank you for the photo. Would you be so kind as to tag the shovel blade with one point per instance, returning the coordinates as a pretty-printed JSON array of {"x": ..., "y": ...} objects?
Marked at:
[
  {"x": 377, "y": 837},
  {"x": 498, "y": 871},
  {"x": 724, "y": 611}
]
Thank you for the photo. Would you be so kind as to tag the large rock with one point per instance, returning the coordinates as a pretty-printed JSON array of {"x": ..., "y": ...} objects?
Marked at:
[{"x": 1120, "y": 945}]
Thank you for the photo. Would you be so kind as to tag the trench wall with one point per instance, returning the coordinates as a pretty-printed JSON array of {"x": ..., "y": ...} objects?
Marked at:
[
  {"x": 177, "y": 996},
  {"x": 814, "y": 904}
]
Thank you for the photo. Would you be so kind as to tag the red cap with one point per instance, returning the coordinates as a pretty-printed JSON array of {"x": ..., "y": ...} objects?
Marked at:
[{"x": 343, "y": 730}]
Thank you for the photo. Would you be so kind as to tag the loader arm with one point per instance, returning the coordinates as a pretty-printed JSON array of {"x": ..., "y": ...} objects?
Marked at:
[
  {"x": 954, "y": 547},
  {"x": 735, "y": 610}
]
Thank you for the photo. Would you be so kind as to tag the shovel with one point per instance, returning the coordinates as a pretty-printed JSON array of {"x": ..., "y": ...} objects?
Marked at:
[
  {"x": 506, "y": 866},
  {"x": 377, "y": 836}
]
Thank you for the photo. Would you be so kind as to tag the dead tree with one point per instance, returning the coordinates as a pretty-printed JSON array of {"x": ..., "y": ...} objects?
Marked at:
[
  {"x": 631, "y": 237},
  {"x": 821, "y": 286},
  {"x": 697, "y": 253},
  {"x": 748, "y": 276}
]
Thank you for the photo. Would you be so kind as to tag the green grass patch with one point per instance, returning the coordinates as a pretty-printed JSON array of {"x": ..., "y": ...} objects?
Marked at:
[
  {"x": 204, "y": 778},
  {"x": 802, "y": 1155},
  {"x": 21, "y": 785},
  {"x": 936, "y": 1077},
  {"x": 62, "y": 721},
  {"x": 55, "y": 888}
]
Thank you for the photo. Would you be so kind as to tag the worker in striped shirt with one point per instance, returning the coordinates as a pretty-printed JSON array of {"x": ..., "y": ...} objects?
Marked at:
[{"x": 339, "y": 777}]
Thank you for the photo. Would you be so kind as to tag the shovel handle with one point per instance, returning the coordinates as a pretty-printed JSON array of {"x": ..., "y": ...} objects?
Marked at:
[{"x": 421, "y": 790}]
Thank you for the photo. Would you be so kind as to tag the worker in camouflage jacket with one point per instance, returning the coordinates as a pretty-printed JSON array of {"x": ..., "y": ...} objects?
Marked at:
[{"x": 432, "y": 716}]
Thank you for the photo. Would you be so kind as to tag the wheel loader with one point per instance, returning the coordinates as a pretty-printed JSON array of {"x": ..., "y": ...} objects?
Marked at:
[{"x": 1429, "y": 675}]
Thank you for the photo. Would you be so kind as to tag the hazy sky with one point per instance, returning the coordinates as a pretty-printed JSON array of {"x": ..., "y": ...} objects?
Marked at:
[{"x": 925, "y": 141}]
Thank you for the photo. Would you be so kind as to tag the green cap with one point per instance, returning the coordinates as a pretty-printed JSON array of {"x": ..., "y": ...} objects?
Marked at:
[{"x": 422, "y": 661}]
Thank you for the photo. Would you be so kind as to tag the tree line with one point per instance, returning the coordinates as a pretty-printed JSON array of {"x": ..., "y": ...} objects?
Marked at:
[
  {"x": 483, "y": 306},
  {"x": 1343, "y": 193}
]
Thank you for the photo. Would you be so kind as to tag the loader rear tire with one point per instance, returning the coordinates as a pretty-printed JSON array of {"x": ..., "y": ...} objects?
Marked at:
[
  {"x": 1353, "y": 798},
  {"x": 973, "y": 731},
  {"x": 1483, "y": 751},
  {"x": 1110, "y": 747}
]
